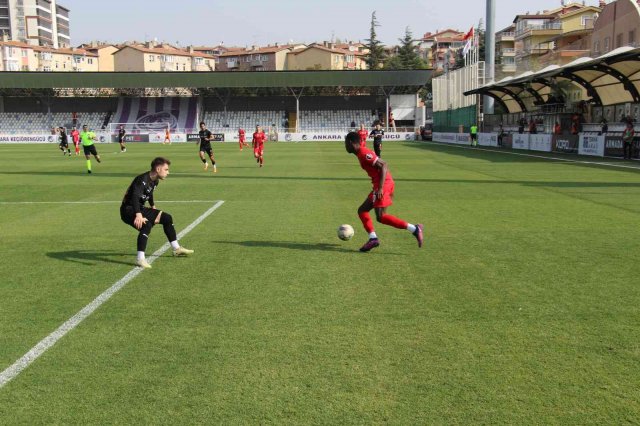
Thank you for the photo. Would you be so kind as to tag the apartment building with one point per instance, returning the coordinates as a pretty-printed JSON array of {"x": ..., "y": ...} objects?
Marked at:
[
  {"x": 269, "y": 58},
  {"x": 105, "y": 53},
  {"x": 150, "y": 57},
  {"x": 505, "y": 52},
  {"x": 18, "y": 56},
  {"x": 325, "y": 56},
  {"x": 439, "y": 48},
  {"x": 617, "y": 26},
  {"x": 36, "y": 22}
]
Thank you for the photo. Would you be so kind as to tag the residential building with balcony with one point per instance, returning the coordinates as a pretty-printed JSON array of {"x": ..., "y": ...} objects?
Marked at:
[
  {"x": 105, "y": 53},
  {"x": 444, "y": 46},
  {"x": 505, "y": 52},
  {"x": 575, "y": 39},
  {"x": 37, "y": 22},
  {"x": 17, "y": 56},
  {"x": 269, "y": 58},
  {"x": 325, "y": 56},
  {"x": 433, "y": 47},
  {"x": 65, "y": 60},
  {"x": 150, "y": 57}
]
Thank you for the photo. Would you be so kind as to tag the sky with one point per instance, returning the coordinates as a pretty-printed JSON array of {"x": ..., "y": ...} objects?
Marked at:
[{"x": 261, "y": 22}]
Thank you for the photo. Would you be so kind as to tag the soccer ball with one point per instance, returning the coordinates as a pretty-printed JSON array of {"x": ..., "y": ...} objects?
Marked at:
[{"x": 345, "y": 232}]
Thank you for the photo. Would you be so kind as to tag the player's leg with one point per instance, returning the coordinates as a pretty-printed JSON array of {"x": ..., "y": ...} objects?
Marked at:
[
  {"x": 203, "y": 159},
  {"x": 213, "y": 161},
  {"x": 383, "y": 217},
  {"x": 94, "y": 151},
  {"x": 377, "y": 147},
  {"x": 261, "y": 158},
  {"x": 367, "y": 223},
  {"x": 166, "y": 220},
  {"x": 87, "y": 155}
]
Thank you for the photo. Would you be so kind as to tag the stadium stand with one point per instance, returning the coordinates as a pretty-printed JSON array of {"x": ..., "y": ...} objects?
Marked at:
[
  {"x": 154, "y": 114},
  {"x": 38, "y": 122}
]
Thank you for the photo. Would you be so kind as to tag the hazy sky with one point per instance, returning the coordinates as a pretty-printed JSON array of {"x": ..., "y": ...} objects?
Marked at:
[{"x": 247, "y": 22}]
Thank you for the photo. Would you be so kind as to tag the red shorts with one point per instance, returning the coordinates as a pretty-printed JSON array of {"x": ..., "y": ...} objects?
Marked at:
[
  {"x": 257, "y": 152},
  {"x": 387, "y": 195},
  {"x": 242, "y": 139}
]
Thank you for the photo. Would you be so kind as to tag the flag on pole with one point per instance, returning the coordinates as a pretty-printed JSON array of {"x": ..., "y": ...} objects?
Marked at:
[
  {"x": 469, "y": 35},
  {"x": 467, "y": 47}
]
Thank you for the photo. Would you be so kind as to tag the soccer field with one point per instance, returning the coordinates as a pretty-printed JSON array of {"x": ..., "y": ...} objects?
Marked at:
[{"x": 522, "y": 307}]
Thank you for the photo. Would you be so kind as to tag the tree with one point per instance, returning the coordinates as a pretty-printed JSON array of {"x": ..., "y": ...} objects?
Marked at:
[
  {"x": 376, "y": 56},
  {"x": 407, "y": 57}
]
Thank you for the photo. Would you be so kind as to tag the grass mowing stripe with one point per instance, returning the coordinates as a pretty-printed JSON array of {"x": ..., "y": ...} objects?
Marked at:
[
  {"x": 595, "y": 163},
  {"x": 27, "y": 359}
]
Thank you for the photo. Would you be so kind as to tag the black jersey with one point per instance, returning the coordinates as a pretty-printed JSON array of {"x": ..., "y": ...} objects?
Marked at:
[
  {"x": 377, "y": 135},
  {"x": 139, "y": 192},
  {"x": 205, "y": 135},
  {"x": 63, "y": 138},
  {"x": 121, "y": 134}
]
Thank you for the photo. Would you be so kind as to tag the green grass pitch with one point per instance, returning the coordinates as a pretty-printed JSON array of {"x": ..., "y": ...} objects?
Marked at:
[{"x": 523, "y": 306}]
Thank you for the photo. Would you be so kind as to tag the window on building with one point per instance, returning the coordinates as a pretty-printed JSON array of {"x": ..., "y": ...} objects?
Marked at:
[
  {"x": 90, "y": 61},
  {"x": 25, "y": 53},
  {"x": 152, "y": 58},
  {"x": 199, "y": 61},
  {"x": 632, "y": 38},
  {"x": 607, "y": 44},
  {"x": 596, "y": 47},
  {"x": 619, "y": 40}
]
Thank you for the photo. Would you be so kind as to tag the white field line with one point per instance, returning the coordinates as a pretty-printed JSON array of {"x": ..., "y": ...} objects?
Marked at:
[
  {"x": 597, "y": 163},
  {"x": 34, "y": 353},
  {"x": 99, "y": 202}
]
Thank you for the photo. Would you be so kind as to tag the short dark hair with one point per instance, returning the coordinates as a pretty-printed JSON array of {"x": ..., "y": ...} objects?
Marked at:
[
  {"x": 352, "y": 137},
  {"x": 202, "y": 123},
  {"x": 159, "y": 161}
]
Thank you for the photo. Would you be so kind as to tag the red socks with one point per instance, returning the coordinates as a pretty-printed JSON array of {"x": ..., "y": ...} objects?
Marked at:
[
  {"x": 387, "y": 219},
  {"x": 366, "y": 221}
]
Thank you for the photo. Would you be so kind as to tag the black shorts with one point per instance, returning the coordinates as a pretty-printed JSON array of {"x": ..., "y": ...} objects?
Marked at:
[
  {"x": 89, "y": 150},
  {"x": 64, "y": 144},
  {"x": 128, "y": 215},
  {"x": 474, "y": 136},
  {"x": 206, "y": 148},
  {"x": 120, "y": 140}
]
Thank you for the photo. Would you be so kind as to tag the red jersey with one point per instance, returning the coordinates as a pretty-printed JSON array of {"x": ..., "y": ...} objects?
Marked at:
[
  {"x": 241, "y": 133},
  {"x": 364, "y": 134},
  {"x": 368, "y": 160},
  {"x": 258, "y": 139},
  {"x": 75, "y": 135}
]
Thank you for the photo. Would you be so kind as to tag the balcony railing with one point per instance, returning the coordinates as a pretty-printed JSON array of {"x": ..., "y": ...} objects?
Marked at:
[
  {"x": 543, "y": 27},
  {"x": 506, "y": 36}
]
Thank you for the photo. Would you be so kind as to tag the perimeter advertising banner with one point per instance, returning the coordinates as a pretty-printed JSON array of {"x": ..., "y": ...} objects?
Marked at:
[
  {"x": 540, "y": 142},
  {"x": 488, "y": 139},
  {"x": 613, "y": 146},
  {"x": 455, "y": 138},
  {"x": 42, "y": 138},
  {"x": 339, "y": 137},
  {"x": 591, "y": 145},
  {"x": 520, "y": 141},
  {"x": 565, "y": 143},
  {"x": 138, "y": 137},
  {"x": 194, "y": 137}
]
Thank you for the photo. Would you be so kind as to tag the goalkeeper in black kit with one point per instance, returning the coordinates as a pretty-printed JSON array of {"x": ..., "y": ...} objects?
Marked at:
[{"x": 133, "y": 211}]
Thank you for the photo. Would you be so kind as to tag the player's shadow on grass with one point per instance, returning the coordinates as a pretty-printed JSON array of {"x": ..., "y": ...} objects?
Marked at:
[
  {"x": 291, "y": 245},
  {"x": 91, "y": 257}
]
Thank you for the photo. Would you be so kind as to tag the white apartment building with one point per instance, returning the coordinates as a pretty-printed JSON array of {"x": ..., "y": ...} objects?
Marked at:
[{"x": 36, "y": 22}]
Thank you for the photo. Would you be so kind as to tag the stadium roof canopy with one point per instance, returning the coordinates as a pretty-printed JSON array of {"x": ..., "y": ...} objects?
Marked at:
[
  {"x": 211, "y": 80},
  {"x": 613, "y": 78}
]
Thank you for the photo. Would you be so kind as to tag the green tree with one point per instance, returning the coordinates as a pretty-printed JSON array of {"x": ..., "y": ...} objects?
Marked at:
[
  {"x": 376, "y": 56},
  {"x": 407, "y": 57}
]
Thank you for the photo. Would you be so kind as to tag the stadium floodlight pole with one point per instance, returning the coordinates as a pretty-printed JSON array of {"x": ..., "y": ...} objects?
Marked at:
[{"x": 490, "y": 52}]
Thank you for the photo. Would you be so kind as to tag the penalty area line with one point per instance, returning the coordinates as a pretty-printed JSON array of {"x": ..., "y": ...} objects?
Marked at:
[
  {"x": 100, "y": 202},
  {"x": 41, "y": 347}
]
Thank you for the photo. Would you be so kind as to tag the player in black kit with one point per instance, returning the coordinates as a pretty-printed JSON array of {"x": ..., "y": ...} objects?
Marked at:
[
  {"x": 133, "y": 211},
  {"x": 121, "y": 135},
  {"x": 205, "y": 146},
  {"x": 377, "y": 135},
  {"x": 64, "y": 142}
]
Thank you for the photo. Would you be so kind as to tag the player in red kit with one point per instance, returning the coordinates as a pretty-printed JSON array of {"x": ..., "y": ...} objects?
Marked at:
[
  {"x": 381, "y": 197},
  {"x": 241, "y": 138},
  {"x": 258, "y": 145},
  {"x": 364, "y": 134}
]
